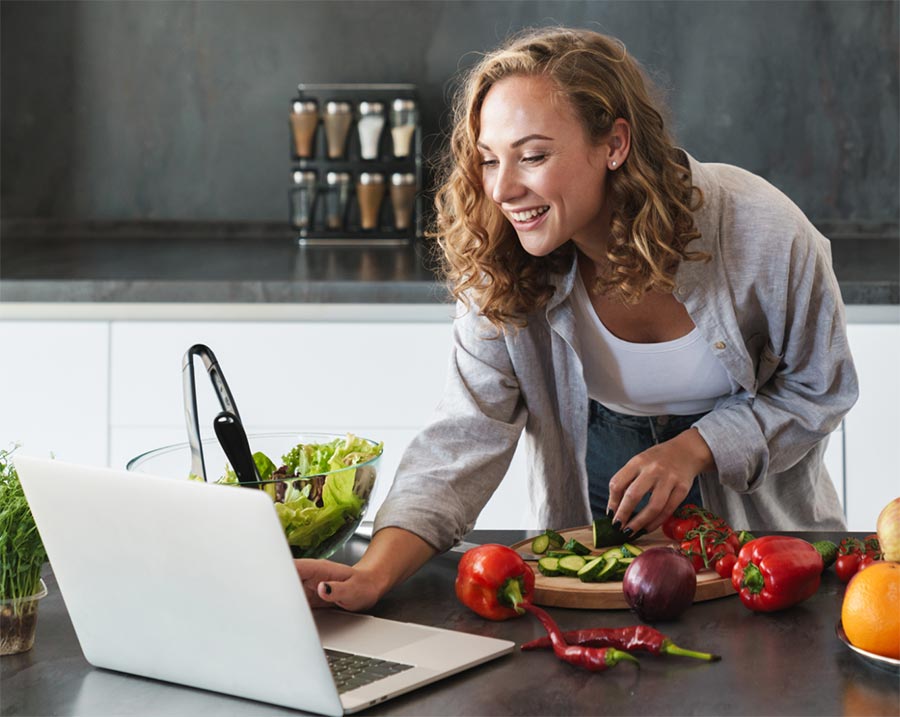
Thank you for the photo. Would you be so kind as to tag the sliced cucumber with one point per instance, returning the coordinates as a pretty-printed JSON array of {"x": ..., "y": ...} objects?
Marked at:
[
  {"x": 549, "y": 567},
  {"x": 577, "y": 547},
  {"x": 590, "y": 569},
  {"x": 607, "y": 571},
  {"x": 571, "y": 564},
  {"x": 540, "y": 544},
  {"x": 556, "y": 540},
  {"x": 559, "y": 553},
  {"x": 614, "y": 553},
  {"x": 621, "y": 567},
  {"x": 632, "y": 550}
]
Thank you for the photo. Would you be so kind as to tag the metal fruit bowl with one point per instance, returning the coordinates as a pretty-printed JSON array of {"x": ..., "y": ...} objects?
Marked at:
[{"x": 318, "y": 512}]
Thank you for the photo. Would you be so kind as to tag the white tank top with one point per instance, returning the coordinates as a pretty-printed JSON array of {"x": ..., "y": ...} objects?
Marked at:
[{"x": 678, "y": 378}]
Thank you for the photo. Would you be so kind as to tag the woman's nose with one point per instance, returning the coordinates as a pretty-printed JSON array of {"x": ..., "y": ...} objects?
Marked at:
[{"x": 506, "y": 185}]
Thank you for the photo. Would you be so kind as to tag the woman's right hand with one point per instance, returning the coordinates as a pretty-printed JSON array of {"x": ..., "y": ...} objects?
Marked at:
[{"x": 328, "y": 583}]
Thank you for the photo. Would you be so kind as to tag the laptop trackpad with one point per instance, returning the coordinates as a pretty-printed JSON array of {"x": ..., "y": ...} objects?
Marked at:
[{"x": 365, "y": 634}]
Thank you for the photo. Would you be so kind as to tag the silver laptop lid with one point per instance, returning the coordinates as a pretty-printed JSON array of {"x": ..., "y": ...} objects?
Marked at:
[{"x": 144, "y": 565}]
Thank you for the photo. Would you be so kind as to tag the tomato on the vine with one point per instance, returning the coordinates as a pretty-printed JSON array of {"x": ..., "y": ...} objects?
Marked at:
[
  {"x": 847, "y": 565},
  {"x": 725, "y": 565}
]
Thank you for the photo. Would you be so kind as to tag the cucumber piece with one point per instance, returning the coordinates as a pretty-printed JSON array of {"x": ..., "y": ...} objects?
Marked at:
[
  {"x": 605, "y": 535},
  {"x": 613, "y": 553},
  {"x": 590, "y": 569},
  {"x": 559, "y": 553},
  {"x": 632, "y": 550},
  {"x": 540, "y": 544},
  {"x": 621, "y": 567},
  {"x": 571, "y": 564},
  {"x": 549, "y": 567},
  {"x": 607, "y": 571},
  {"x": 827, "y": 550},
  {"x": 556, "y": 540},
  {"x": 577, "y": 548}
]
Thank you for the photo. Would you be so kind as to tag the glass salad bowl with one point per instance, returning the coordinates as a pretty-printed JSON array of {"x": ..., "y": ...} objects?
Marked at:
[{"x": 321, "y": 483}]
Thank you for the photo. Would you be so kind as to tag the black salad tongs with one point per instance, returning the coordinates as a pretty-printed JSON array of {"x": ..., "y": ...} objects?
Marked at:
[{"x": 227, "y": 424}]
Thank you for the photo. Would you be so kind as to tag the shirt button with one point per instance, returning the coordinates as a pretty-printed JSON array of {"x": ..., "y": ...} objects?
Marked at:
[{"x": 719, "y": 345}]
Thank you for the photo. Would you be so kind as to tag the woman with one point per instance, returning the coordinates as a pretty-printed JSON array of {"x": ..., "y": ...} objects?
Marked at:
[{"x": 663, "y": 330}]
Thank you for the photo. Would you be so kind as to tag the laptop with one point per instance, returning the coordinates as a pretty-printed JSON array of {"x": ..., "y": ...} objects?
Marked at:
[{"x": 194, "y": 583}]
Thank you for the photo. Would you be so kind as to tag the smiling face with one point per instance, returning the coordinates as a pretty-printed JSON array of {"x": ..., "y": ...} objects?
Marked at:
[{"x": 540, "y": 169}]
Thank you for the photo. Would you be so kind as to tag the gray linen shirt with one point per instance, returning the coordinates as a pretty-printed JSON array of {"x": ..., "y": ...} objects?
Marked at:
[{"x": 769, "y": 306}]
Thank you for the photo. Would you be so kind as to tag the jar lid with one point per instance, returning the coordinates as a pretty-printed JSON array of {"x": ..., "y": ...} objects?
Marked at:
[
  {"x": 304, "y": 177},
  {"x": 401, "y": 104},
  {"x": 371, "y": 108},
  {"x": 371, "y": 178},
  {"x": 337, "y": 108},
  {"x": 402, "y": 178},
  {"x": 304, "y": 106},
  {"x": 337, "y": 178}
]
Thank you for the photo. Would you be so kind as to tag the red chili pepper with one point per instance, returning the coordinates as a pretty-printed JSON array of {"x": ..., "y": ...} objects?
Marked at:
[
  {"x": 637, "y": 637},
  {"x": 592, "y": 659},
  {"x": 494, "y": 581},
  {"x": 776, "y": 572}
]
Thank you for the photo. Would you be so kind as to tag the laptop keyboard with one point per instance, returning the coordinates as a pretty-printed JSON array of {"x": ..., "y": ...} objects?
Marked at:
[{"x": 352, "y": 671}]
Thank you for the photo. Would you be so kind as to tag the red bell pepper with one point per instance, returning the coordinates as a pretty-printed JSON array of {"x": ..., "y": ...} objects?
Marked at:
[
  {"x": 776, "y": 572},
  {"x": 494, "y": 581}
]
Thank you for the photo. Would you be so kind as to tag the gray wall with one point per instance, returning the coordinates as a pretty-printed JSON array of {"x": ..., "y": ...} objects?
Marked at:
[{"x": 177, "y": 110}]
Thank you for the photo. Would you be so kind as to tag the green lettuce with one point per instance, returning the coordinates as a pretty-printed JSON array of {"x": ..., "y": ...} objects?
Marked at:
[{"x": 305, "y": 523}]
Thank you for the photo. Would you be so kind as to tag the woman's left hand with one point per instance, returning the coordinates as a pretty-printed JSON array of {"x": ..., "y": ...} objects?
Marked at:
[{"x": 666, "y": 471}]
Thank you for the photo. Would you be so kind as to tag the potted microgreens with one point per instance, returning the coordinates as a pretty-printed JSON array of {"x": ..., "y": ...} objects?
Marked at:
[{"x": 22, "y": 556}]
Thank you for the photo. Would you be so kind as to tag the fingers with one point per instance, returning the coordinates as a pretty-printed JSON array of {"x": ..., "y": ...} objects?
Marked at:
[
  {"x": 657, "y": 472},
  {"x": 315, "y": 573},
  {"x": 327, "y": 583}
]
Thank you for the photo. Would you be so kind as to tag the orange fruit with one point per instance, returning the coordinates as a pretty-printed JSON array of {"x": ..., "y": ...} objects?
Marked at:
[{"x": 871, "y": 609}]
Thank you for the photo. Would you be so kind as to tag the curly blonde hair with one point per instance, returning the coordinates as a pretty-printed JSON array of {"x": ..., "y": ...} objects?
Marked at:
[{"x": 651, "y": 195}]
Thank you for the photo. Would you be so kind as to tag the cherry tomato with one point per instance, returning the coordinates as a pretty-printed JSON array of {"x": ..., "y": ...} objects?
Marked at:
[
  {"x": 846, "y": 566},
  {"x": 691, "y": 549},
  {"x": 725, "y": 565},
  {"x": 866, "y": 561}
]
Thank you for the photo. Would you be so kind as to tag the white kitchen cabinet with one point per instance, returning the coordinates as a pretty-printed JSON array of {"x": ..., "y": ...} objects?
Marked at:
[
  {"x": 102, "y": 391},
  {"x": 54, "y": 387},
  {"x": 872, "y": 427}
]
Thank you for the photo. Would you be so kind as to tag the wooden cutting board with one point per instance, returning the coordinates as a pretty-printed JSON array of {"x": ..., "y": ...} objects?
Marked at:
[{"x": 571, "y": 592}]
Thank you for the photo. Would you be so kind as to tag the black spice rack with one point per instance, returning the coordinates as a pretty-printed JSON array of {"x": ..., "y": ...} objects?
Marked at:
[{"x": 336, "y": 184}]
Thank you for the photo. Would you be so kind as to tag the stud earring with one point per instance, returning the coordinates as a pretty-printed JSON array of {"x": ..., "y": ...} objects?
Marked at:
[{"x": 614, "y": 164}]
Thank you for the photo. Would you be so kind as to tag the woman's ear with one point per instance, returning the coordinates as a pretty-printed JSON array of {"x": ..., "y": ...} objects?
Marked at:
[{"x": 619, "y": 144}]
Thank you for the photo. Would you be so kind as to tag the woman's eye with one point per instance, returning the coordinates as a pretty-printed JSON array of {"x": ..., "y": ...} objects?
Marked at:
[
  {"x": 534, "y": 158},
  {"x": 488, "y": 162}
]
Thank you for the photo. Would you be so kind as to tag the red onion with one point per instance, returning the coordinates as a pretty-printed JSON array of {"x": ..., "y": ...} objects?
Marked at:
[{"x": 660, "y": 584}]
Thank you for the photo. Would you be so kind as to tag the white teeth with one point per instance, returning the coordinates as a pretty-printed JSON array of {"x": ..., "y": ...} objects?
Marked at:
[{"x": 530, "y": 214}]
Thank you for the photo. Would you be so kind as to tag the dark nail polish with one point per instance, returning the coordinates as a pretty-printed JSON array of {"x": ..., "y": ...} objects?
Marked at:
[
  {"x": 617, "y": 525},
  {"x": 610, "y": 513},
  {"x": 640, "y": 533},
  {"x": 327, "y": 589},
  {"x": 628, "y": 532}
]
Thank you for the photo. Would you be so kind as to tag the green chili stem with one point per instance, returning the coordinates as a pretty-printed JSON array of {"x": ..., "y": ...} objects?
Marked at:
[{"x": 670, "y": 648}]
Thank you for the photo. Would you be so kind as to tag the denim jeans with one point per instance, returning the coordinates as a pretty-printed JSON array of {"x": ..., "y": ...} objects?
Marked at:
[{"x": 615, "y": 438}]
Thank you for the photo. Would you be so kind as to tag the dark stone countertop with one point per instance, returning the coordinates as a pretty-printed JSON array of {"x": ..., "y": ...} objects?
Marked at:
[
  {"x": 253, "y": 263},
  {"x": 785, "y": 663}
]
